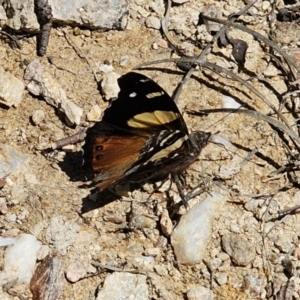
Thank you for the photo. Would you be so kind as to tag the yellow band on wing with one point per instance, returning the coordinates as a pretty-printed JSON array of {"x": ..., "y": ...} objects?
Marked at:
[{"x": 150, "y": 119}]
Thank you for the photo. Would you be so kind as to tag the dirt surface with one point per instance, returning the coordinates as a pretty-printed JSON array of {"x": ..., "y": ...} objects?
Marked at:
[{"x": 47, "y": 186}]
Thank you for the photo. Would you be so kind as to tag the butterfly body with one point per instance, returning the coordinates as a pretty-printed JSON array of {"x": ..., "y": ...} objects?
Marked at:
[{"x": 142, "y": 136}]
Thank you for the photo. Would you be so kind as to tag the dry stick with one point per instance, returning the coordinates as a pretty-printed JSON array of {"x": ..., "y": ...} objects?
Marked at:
[
  {"x": 208, "y": 47},
  {"x": 259, "y": 116},
  {"x": 14, "y": 39},
  {"x": 258, "y": 36},
  {"x": 79, "y": 52},
  {"x": 70, "y": 140},
  {"x": 263, "y": 195},
  {"x": 288, "y": 210}
]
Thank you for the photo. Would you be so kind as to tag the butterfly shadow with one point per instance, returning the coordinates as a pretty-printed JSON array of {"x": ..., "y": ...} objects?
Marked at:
[{"x": 72, "y": 165}]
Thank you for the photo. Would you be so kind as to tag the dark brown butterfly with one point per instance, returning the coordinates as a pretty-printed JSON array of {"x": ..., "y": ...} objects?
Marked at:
[{"x": 142, "y": 136}]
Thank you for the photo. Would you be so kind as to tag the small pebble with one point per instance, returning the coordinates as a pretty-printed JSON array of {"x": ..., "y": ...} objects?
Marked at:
[
  {"x": 153, "y": 22},
  {"x": 152, "y": 251},
  {"x": 162, "y": 43},
  {"x": 11, "y": 218},
  {"x": 123, "y": 60},
  {"x": 122, "y": 285},
  {"x": 284, "y": 242},
  {"x": 86, "y": 33},
  {"x": 105, "y": 68},
  {"x": 215, "y": 263},
  {"x": 38, "y": 116},
  {"x": 253, "y": 284},
  {"x": 43, "y": 252},
  {"x": 3, "y": 206},
  {"x": 76, "y": 271},
  {"x": 109, "y": 85},
  {"x": 221, "y": 278},
  {"x": 166, "y": 223},
  {"x": 11, "y": 232},
  {"x": 238, "y": 248},
  {"x": 94, "y": 114},
  {"x": 154, "y": 46},
  {"x": 200, "y": 293}
]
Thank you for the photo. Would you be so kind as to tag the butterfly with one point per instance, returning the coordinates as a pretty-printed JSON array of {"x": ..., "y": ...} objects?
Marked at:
[{"x": 141, "y": 137}]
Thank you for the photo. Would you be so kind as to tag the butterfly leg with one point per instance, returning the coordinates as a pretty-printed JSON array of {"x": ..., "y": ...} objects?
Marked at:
[{"x": 178, "y": 181}]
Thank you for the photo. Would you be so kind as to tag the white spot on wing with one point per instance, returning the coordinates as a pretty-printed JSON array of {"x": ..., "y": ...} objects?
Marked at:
[
  {"x": 132, "y": 95},
  {"x": 154, "y": 95}
]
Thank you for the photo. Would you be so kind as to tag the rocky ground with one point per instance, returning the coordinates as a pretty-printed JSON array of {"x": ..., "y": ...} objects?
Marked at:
[{"x": 252, "y": 250}]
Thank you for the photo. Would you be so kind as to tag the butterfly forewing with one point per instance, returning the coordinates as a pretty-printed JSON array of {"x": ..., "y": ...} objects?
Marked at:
[{"x": 143, "y": 104}]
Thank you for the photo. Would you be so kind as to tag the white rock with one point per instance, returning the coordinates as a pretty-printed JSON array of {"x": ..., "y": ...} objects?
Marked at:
[
  {"x": 97, "y": 14},
  {"x": 23, "y": 16},
  {"x": 109, "y": 85},
  {"x": 191, "y": 236},
  {"x": 10, "y": 160},
  {"x": 11, "y": 89},
  {"x": 229, "y": 102},
  {"x": 120, "y": 286},
  {"x": 283, "y": 242},
  {"x": 6, "y": 241},
  {"x": 43, "y": 84},
  {"x": 20, "y": 258}
]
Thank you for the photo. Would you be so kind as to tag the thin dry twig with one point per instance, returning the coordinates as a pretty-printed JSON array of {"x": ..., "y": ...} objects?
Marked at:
[
  {"x": 288, "y": 210},
  {"x": 256, "y": 115},
  {"x": 14, "y": 39},
  {"x": 79, "y": 52},
  {"x": 208, "y": 47},
  {"x": 258, "y": 36},
  {"x": 70, "y": 140}
]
